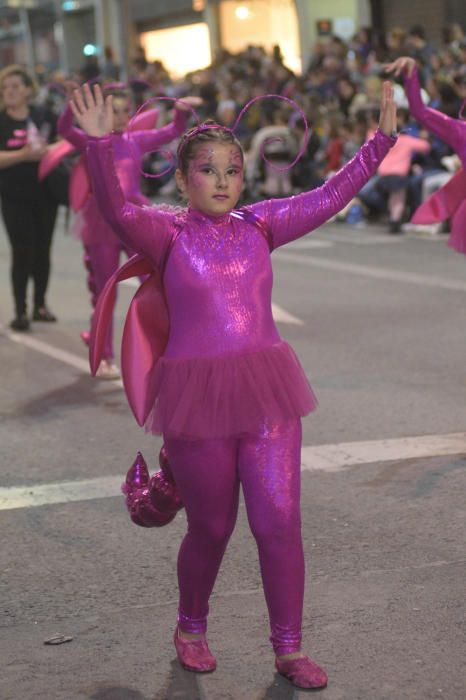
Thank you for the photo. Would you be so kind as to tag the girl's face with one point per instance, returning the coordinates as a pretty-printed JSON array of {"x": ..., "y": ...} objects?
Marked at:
[
  {"x": 214, "y": 179},
  {"x": 14, "y": 92},
  {"x": 121, "y": 113}
]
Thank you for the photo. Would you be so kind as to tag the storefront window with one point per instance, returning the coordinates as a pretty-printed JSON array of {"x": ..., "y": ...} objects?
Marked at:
[
  {"x": 261, "y": 23},
  {"x": 181, "y": 49}
]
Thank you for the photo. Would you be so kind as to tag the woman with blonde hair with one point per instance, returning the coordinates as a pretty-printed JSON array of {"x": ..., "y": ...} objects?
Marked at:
[{"x": 28, "y": 209}]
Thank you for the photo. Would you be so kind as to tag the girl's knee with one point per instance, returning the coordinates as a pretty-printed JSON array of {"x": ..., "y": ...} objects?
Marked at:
[
  {"x": 281, "y": 530},
  {"x": 214, "y": 533}
]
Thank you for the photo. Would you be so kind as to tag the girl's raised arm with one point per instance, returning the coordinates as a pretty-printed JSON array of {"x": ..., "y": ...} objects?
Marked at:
[
  {"x": 152, "y": 139},
  {"x": 290, "y": 218},
  {"x": 142, "y": 229},
  {"x": 452, "y": 131},
  {"x": 71, "y": 133}
]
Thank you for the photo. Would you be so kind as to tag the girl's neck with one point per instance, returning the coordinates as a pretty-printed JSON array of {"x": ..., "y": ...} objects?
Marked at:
[
  {"x": 20, "y": 113},
  {"x": 215, "y": 217}
]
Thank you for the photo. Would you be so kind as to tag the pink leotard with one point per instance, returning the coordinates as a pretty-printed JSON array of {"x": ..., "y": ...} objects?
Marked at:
[{"x": 225, "y": 369}]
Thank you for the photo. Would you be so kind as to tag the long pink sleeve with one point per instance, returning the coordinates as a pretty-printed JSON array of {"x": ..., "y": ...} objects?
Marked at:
[
  {"x": 143, "y": 229},
  {"x": 452, "y": 131},
  {"x": 151, "y": 139},
  {"x": 290, "y": 218},
  {"x": 69, "y": 132}
]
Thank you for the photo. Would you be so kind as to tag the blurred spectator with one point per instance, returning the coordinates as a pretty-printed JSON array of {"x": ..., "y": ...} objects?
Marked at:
[
  {"x": 110, "y": 70},
  {"x": 394, "y": 171},
  {"x": 339, "y": 91}
]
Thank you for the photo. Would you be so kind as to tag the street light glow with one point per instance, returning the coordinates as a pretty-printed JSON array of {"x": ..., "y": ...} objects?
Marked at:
[
  {"x": 90, "y": 50},
  {"x": 242, "y": 12}
]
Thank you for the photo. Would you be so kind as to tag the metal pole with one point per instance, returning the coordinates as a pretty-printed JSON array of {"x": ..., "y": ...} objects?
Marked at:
[
  {"x": 26, "y": 26},
  {"x": 60, "y": 37},
  {"x": 99, "y": 28},
  {"x": 124, "y": 20}
]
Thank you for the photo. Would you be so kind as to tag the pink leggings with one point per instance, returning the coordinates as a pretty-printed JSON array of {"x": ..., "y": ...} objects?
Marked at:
[
  {"x": 208, "y": 474},
  {"x": 101, "y": 261}
]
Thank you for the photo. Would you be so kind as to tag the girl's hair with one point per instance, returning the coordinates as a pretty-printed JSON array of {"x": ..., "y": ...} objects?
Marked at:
[
  {"x": 208, "y": 131},
  {"x": 14, "y": 69}
]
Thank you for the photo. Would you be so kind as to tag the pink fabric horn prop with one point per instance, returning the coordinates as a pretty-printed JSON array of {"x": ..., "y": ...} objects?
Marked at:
[
  {"x": 151, "y": 501},
  {"x": 53, "y": 157}
]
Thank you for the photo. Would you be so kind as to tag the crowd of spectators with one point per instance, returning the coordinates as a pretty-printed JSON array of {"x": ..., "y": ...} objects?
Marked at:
[{"x": 339, "y": 92}]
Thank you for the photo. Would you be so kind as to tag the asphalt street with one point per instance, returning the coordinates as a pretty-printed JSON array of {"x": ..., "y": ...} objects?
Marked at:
[{"x": 379, "y": 323}]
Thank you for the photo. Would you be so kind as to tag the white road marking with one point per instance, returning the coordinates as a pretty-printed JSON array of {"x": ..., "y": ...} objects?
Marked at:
[
  {"x": 282, "y": 316},
  {"x": 306, "y": 243},
  {"x": 64, "y": 492},
  {"x": 352, "y": 238},
  {"x": 327, "y": 458},
  {"x": 333, "y": 458},
  {"x": 131, "y": 282},
  {"x": 279, "y": 314},
  {"x": 380, "y": 273},
  {"x": 68, "y": 358}
]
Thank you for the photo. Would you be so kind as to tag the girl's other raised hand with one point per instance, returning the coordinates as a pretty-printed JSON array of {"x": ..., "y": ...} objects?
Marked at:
[
  {"x": 387, "y": 121},
  {"x": 93, "y": 114},
  {"x": 401, "y": 65}
]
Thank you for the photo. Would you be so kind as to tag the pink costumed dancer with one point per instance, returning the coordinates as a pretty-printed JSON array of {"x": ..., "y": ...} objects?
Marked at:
[
  {"x": 227, "y": 392},
  {"x": 449, "y": 202},
  {"x": 102, "y": 247}
]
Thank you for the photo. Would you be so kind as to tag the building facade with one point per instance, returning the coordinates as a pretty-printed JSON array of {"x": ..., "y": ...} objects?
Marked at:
[{"x": 186, "y": 34}]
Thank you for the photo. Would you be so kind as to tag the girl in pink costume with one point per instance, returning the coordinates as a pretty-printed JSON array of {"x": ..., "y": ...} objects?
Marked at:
[
  {"x": 450, "y": 201},
  {"x": 102, "y": 247},
  {"x": 229, "y": 391}
]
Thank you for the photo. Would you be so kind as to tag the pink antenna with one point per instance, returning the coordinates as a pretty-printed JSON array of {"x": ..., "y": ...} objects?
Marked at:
[
  {"x": 274, "y": 139},
  {"x": 165, "y": 152}
]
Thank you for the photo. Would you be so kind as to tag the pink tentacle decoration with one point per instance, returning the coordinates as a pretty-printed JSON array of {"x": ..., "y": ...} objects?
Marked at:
[
  {"x": 274, "y": 139},
  {"x": 461, "y": 112},
  {"x": 165, "y": 152}
]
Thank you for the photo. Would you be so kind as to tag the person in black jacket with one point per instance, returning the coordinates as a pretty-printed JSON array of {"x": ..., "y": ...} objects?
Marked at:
[{"x": 28, "y": 209}]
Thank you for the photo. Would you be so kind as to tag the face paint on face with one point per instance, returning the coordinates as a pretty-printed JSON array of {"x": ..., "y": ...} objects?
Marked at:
[{"x": 215, "y": 178}]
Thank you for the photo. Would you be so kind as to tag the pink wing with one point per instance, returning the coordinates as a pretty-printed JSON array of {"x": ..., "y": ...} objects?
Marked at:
[
  {"x": 53, "y": 157},
  {"x": 145, "y": 333},
  {"x": 145, "y": 120},
  {"x": 442, "y": 203}
]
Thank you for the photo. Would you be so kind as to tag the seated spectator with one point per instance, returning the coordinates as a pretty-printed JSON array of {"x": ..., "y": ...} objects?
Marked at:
[{"x": 394, "y": 171}]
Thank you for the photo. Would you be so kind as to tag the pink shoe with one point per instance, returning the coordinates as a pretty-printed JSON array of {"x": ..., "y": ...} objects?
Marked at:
[
  {"x": 194, "y": 654},
  {"x": 302, "y": 672},
  {"x": 85, "y": 337}
]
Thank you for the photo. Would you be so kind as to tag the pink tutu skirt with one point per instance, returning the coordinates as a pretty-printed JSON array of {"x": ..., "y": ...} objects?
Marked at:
[{"x": 218, "y": 397}]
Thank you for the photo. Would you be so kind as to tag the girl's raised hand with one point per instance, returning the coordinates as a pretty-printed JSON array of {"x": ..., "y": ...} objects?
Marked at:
[
  {"x": 387, "y": 121},
  {"x": 401, "y": 65},
  {"x": 184, "y": 103},
  {"x": 93, "y": 114}
]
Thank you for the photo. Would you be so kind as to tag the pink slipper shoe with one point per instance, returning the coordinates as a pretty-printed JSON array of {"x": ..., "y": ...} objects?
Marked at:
[
  {"x": 302, "y": 672},
  {"x": 85, "y": 337},
  {"x": 194, "y": 654}
]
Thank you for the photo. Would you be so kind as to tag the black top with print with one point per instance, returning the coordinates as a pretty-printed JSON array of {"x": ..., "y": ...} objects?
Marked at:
[{"x": 20, "y": 181}]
